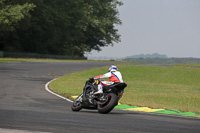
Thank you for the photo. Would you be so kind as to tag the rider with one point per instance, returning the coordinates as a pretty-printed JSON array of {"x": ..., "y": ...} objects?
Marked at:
[{"x": 115, "y": 77}]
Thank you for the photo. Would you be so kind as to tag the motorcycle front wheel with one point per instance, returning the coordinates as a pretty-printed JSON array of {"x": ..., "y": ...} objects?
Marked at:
[
  {"x": 111, "y": 102},
  {"x": 76, "y": 105}
]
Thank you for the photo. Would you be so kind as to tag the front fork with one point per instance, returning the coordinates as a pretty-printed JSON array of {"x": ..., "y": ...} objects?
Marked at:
[{"x": 80, "y": 98}]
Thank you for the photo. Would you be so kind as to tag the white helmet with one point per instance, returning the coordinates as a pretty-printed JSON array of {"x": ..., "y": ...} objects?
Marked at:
[{"x": 112, "y": 68}]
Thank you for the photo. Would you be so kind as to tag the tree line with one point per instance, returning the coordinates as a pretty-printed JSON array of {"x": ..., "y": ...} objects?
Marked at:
[
  {"x": 164, "y": 61},
  {"x": 154, "y": 55},
  {"x": 60, "y": 27}
]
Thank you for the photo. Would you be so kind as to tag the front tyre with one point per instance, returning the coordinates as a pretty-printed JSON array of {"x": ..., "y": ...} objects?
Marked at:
[
  {"x": 77, "y": 105},
  {"x": 111, "y": 102}
]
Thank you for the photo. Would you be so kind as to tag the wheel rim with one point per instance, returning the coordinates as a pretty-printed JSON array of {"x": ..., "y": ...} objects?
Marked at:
[
  {"x": 76, "y": 104},
  {"x": 109, "y": 97}
]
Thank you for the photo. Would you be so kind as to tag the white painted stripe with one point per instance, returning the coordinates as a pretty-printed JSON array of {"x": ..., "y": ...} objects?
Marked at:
[
  {"x": 18, "y": 131},
  {"x": 47, "y": 88}
]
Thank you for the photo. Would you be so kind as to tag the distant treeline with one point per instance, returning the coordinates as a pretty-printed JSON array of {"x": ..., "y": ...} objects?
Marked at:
[
  {"x": 154, "y": 55},
  {"x": 164, "y": 61},
  {"x": 160, "y": 59}
]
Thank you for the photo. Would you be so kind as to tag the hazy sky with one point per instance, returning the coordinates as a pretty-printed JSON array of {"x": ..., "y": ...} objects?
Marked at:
[{"x": 170, "y": 27}]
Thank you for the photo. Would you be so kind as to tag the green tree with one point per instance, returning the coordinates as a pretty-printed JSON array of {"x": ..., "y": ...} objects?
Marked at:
[
  {"x": 63, "y": 27},
  {"x": 10, "y": 15}
]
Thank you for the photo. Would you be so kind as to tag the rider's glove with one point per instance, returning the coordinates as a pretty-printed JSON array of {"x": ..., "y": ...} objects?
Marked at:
[{"x": 91, "y": 79}]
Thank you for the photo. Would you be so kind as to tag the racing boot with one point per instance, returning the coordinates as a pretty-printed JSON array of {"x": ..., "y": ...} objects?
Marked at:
[{"x": 100, "y": 91}]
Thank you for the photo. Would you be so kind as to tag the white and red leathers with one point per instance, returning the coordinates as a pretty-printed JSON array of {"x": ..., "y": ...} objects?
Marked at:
[{"x": 114, "y": 76}]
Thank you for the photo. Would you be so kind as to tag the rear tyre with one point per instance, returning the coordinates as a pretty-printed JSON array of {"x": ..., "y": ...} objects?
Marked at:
[
  {"x": 111, "y": 102},
  {"x": 76, "y": 105}
]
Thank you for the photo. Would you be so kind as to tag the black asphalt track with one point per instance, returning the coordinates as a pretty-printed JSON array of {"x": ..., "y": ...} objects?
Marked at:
[{"x": 26, "y": 105}]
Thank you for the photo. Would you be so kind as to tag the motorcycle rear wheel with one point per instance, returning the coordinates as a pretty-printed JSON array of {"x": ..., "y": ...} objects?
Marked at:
[{"x": 111, "y": 102}]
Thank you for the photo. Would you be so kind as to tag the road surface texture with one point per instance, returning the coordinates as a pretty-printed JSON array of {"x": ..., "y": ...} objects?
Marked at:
[{"x": 26, "y": 107}]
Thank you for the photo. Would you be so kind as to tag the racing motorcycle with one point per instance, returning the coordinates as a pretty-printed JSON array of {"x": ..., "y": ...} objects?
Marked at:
[{"x": 103, "y": 102}]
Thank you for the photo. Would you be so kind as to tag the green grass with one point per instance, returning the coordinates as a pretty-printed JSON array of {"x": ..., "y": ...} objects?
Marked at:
[
  {"x": 188, "y": 65},
  {"x": 6, "y": 60},
  {"x": 152, "y": 86}
]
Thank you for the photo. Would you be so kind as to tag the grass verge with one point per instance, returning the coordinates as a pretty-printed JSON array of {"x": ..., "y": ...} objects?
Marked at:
[
  {"x": 188, "y": 65},
  {"x": 6, "y": 60},
  {"x": 152, "y": 86}
]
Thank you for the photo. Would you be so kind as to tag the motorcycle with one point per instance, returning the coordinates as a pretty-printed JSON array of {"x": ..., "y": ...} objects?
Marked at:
[{"x": 103, "y": 102}]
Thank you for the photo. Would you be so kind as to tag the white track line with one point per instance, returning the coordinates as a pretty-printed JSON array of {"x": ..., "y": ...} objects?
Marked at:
[
  {"x": 2, "y": 130},
  {"x": 47, "y": 88}
]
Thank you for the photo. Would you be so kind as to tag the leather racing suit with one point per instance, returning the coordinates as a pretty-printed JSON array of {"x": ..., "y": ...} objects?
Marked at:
[{"x": 114, "y": 77}]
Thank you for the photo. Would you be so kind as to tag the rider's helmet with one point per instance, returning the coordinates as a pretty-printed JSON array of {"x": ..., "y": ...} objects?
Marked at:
[{"x": 112, "y": 68}]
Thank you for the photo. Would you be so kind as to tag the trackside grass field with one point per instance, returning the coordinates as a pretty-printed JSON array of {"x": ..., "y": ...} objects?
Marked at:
[
  {"x": 153, "y": 86},
  {"x": 188, "y": 65},
  {"x": 6, "y": 60}
]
